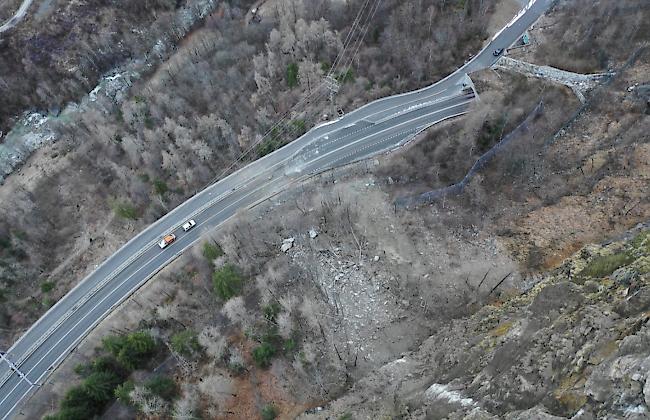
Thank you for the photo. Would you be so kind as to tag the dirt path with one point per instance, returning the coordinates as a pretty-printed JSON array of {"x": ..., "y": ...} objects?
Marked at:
[{"x": 20, "y": 14}]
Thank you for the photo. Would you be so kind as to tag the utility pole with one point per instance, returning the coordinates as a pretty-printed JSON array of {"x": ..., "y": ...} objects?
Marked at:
[
  {"x": 15, "y": 369},
  {"x": 333, "y": 86}
]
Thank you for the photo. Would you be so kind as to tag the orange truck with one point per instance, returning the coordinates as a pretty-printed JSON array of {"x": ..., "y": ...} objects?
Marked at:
[{"x": 168, "y": 239}]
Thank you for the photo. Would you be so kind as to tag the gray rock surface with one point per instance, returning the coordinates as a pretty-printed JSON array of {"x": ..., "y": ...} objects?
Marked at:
[
  {"x": 287, "y": 244},
  {"x": 579, "y": 83},
  {"x": 569, "y": 347}
]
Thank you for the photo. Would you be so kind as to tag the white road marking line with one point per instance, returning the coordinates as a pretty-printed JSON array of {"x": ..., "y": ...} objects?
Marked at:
[
  {"x": 14, "y": 368},
  {"x": 111, "y": 293},
  {"x": 363, "y": 129},
  {"x": 382, "y": 131},
  {"x": 378, "y": 122},
  {"x": 146, "y": 247},
  {"x": 415, "y": 129},
  {"x": 250, "y": 167},
  {"x": 223, "y": 196},
  {"x": 219, "y": 199},
  {"x": 99, "y": 286},
  {"x": 17, "y": 17}
]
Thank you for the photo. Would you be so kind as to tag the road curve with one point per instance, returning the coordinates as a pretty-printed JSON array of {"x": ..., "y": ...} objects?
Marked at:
[
  {"x": 17, "y": 17},
  {"x": 374, "y": 128}
]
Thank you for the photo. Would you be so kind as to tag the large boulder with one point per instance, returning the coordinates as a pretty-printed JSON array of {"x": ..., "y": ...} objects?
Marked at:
[{"x": 287, "y": 244}]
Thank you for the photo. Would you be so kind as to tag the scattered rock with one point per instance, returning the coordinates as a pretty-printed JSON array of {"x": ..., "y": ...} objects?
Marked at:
[
  {"x": 625, "y": 275},
  {"x": 635, "y": 303},
  {"x": 287, "y": 244},
  {"x": 313, "y": 233},
  {"x": 479, "y": 414},
  {"x": 535, "y": 413},
  {"x": 443, "y": 392},
  {"x": 376, "y": 258},
  {"x": 563, "y": 349},
  {"x": 591, "y": 286}
]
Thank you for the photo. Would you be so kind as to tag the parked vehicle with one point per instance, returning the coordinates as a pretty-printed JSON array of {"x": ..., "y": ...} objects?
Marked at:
[
  {"x": 497, "y": 52},
  {"x": 168, "y": 239},
  {"x": 189, "y": 225}
]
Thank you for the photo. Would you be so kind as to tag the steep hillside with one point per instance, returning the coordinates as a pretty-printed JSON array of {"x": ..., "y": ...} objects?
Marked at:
[
  {"x": 60, "y": 49},
  {"x": 128, "y": 159},
  {"x": 525, "y": 296},
  {"x": 577, "y": 344},
  {"x": 243, "y": 326}
]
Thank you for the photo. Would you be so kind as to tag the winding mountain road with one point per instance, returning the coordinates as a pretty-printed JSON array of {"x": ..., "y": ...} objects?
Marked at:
[
  {"x": 378, "y": 127},
  {"x": 17, "y": 17}
]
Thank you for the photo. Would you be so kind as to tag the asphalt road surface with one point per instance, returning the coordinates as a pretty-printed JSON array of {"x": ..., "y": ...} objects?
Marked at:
[{"x": 375, "y": 128}]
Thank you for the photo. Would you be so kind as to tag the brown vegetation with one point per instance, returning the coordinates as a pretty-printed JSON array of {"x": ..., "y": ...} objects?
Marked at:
[
  {"x": 555, "y": 189},
  {"x": 298, "y": 329},
  {"x": 55, "y": 57},
  {"x": 114, "y": 171},
  {"x": 349, "y": 312},
  {"x": 329, "y": 308},
  {"x": 606, "y": 34},
  {"x": 8, "y": 9}
]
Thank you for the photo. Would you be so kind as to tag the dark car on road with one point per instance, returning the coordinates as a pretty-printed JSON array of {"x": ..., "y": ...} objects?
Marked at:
[{"x": 497, "y": 52}]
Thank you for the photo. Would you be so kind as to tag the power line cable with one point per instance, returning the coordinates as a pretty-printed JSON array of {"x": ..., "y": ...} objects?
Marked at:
[
  {"x": 272, "y": 129},
  {"x": 316, "y": 94},
  {"x": 369, "y": 18},
  {"x": 348, "y": 38}
]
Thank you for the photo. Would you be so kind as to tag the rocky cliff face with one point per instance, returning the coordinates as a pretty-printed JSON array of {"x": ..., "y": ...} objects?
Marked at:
[{"x": 575, "y": 345}]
